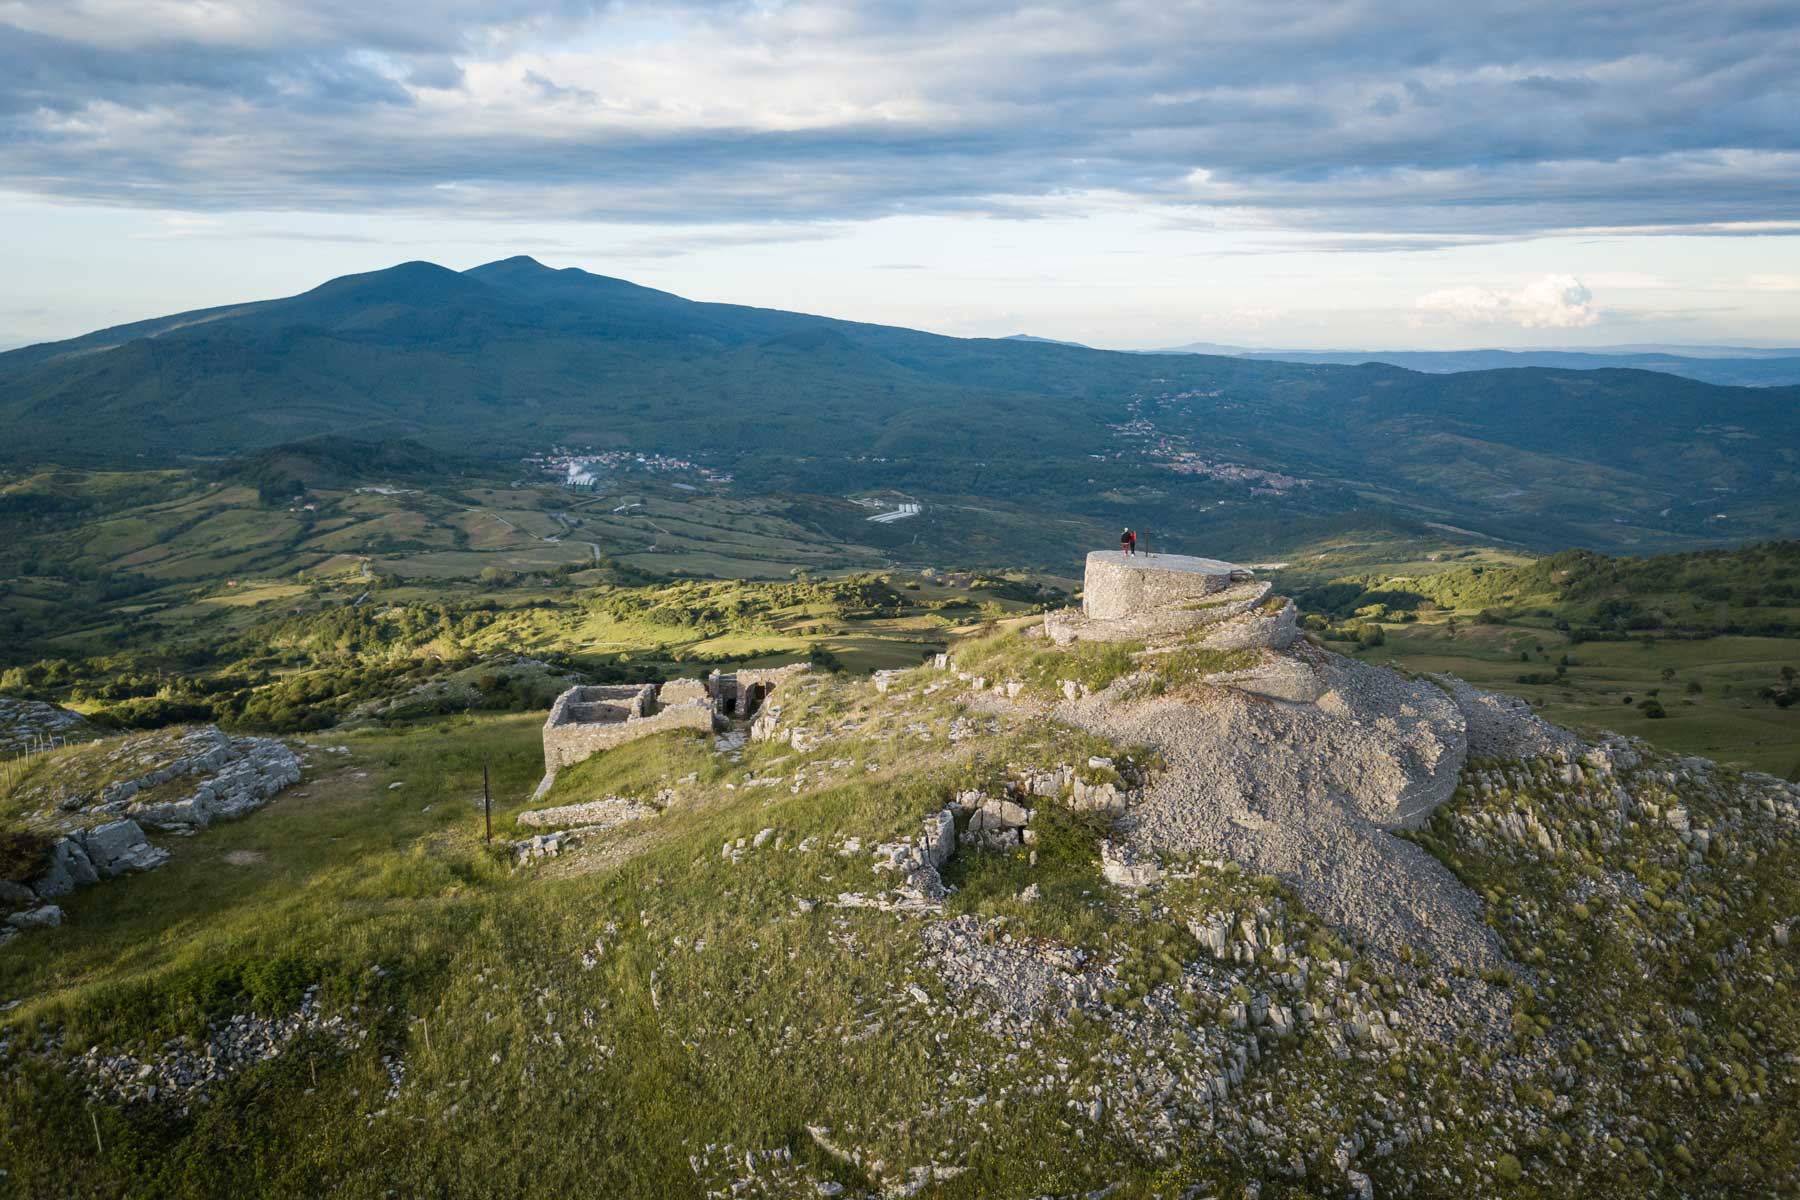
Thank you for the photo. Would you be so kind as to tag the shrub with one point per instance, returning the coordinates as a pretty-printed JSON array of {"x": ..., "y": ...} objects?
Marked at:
[
  {"x": 23, "y": 853},
  {"x": 821, "y": 657}
]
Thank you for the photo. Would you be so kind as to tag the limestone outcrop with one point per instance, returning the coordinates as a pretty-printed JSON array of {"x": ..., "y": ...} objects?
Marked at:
[
  {"x": 237, "y": 776},
  {"x": 29, "y": 724},
  {"x": 1293, "y": 760},
  {"x": 98, "y": 798}
]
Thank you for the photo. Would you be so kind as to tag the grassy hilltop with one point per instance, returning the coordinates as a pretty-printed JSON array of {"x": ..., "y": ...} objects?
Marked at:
[
  {"x": 725, "y": 996},
  {"x": 703, "y": 1002}
]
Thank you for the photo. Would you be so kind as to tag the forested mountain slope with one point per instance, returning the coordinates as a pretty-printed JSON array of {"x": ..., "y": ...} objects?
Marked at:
[{"x": 512, "y": 356}]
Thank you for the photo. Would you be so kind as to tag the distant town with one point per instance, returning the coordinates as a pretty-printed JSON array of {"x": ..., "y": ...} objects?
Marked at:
[{"x": 584, "y": 470}]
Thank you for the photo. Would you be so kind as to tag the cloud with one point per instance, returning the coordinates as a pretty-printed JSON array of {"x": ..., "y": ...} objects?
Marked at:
[
  {"x": 1553, "y": 302},
  {"x": 1341, "y": 118}
]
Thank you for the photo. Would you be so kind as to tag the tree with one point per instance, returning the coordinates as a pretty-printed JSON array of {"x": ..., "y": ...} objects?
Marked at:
[{"x": 819, "y": 656}]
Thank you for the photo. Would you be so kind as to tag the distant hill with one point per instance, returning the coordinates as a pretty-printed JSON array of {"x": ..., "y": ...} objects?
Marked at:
[
  {"x": 1205, "y": 348},
  {"x": 514, "y": 356},
  {"x": 1736, "y": 366},
  {"x": 1026, "y": 337}
]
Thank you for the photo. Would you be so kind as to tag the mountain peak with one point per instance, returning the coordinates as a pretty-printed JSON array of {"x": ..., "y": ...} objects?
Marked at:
[{"x": 517, "y": 263}]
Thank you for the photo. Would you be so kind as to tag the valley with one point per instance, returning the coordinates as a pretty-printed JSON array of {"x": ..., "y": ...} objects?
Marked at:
[{"x": 482, "y": 368}]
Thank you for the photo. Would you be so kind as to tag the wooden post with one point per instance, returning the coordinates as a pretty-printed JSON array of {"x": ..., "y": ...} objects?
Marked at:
[{"x": 487, "y": 803}]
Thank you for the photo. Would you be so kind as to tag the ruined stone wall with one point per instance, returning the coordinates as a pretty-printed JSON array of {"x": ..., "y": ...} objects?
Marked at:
[
  {"x": 565, "y": 745},
  {"x": 770, "y": 677},
  {"x": 741, "y": 693},
  {"x": 1116, "y": 586},
  {"x": 681, "y": 691},
  {"x": 587, "y": 720}
]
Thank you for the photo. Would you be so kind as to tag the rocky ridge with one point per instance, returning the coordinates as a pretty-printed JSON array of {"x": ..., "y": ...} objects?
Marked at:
[
  {"x": 1309, "y": 783},
  {"x": 95, "y": 800},
  {"x": 25, "y": 724}
]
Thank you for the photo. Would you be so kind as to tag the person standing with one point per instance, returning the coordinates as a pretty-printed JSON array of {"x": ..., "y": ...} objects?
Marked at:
[{"x": 1128, "y": 542}]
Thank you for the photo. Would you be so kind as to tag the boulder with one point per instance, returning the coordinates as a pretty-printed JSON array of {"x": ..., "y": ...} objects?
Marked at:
[
  {"x": 15, "y": 895},
  {"x": 762, "y": 729},
  {"x": 1214, "y": 936},
  {"x": 115, "y": 847},
  {"x": 69, "y": 869},
  {"x": 1003, "y": 814},
  {"x": 1123, "y": 868},
  {"x": 1096, "y": 797},
  {"x": 940, "y": 837},
  {"x": 42, "y": 917}
]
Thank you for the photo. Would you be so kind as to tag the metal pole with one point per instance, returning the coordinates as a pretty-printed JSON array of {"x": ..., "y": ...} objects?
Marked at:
[{"x": 487, "y": 803}]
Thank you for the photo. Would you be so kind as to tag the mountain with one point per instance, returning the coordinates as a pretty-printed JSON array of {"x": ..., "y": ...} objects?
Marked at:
[
  {"x": 1026, "y": 337},
  {"x": 514, "y": 356},
  {"x": 1206, "y": 348},
  {"x": 1734, "y": 365},
  {"x": 1748, "y": 371}
]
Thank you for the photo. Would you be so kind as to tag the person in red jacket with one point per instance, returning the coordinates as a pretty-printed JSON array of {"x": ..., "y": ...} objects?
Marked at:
[{"x": 1128, "y": 542}]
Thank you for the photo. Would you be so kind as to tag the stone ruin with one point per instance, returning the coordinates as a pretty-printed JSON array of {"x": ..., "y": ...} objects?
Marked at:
[
  {"x": 588, "y": 719},
  {"x": 1128, "y": 597}
]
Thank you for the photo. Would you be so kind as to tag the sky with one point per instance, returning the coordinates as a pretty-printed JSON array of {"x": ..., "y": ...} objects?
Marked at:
[{"x": 1373, "y": 174}]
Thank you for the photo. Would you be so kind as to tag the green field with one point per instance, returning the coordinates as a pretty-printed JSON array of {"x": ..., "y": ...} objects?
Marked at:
[
  {"x": 1685, "y": 651},
  {"x": 320, "y": 595}
]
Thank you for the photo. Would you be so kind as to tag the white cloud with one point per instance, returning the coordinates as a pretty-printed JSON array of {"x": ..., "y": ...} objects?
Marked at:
[{"x": 1553, "y": 302}]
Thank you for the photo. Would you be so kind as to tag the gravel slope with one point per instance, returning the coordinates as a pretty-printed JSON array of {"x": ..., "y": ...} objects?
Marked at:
[{"x": 1310, "y": 792}]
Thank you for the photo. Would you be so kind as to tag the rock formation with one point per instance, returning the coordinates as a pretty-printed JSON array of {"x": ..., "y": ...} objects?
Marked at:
[
  {"x": 98, "y": 798},
  {"x": 1299, "y": 762}
]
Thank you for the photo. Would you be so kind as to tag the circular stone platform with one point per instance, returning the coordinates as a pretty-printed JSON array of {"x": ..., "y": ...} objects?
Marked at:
[{"x": 1120, "y": 585}]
